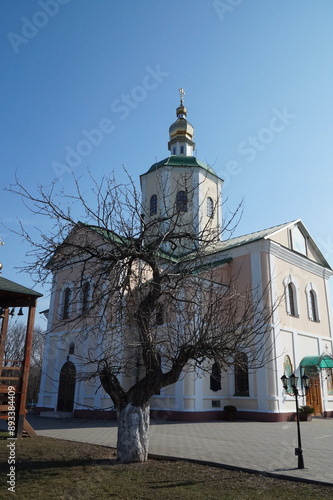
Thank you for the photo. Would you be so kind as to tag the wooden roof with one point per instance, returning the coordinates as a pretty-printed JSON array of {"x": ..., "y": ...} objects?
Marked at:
[{"x": 14, "y": 295}]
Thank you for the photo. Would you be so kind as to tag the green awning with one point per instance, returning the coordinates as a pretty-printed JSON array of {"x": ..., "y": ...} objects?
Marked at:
[{"x": 323, "y": 361}]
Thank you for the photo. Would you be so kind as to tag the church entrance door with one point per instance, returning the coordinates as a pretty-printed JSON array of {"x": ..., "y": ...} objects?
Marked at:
[
  {"x": 66, "y": 387},
  {"x": 313, "y": 397}
]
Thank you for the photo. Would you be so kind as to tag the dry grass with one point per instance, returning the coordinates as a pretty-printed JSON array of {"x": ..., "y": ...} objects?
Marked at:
[{"x": 50, "y": 469}]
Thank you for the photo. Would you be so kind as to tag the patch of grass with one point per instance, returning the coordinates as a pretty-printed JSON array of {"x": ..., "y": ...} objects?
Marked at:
[{"x": 50, "y": 469}]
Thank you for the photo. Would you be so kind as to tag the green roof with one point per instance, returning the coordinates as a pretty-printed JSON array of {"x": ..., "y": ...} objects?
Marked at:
[
  {"x": 12, "y": 287},
  {"x": 243, "y": 240},
  {"x": 107, "y": 234},
  {"x": 323, "y": 361},
  {"x": 15, "y": 295},
  {"x": 239, "y": 241},
  {"x": 181, "y": 161},
  {"x": 211, "y": 265}
]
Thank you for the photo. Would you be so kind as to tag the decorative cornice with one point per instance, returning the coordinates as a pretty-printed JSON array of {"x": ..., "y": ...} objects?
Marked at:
[
  {"x": 298, "y": 260},
  {"x": 283, "y": 253}
]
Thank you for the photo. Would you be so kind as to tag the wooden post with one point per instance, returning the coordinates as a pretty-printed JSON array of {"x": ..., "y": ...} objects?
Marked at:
[
  {"x": 4, "y": 330},
  {"x": 21, "y": 412}
]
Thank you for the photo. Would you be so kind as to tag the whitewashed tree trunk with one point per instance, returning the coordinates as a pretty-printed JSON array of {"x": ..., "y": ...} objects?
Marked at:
[{"x": 133, "y": 428}]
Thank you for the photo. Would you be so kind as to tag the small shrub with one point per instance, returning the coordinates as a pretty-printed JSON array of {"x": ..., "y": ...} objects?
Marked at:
[
  {"x": 308, "y": 410},
  {"x": 230, "y": 409}
]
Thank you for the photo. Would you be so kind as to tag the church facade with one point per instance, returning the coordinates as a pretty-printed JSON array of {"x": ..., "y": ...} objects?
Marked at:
[{"x": 284, "y": 259}]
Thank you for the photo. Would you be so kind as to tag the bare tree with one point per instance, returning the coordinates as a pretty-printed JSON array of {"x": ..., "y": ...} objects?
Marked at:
[
  {"x": 14, "y": 351},
  {"x": 160, "y": 303}
]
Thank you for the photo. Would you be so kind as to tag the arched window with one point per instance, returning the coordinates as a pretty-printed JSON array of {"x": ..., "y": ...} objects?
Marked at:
[
  {"x": 291, "y": 299},
  {"x": 312, "y": 300},
  {"x": 291, "y": 296},
  {"x": 71, "y": 348},
  {"x": 174, "y": 150},
  {"x": 241, "y": 375},
  {"x": 313, "y": 305},
  {"x": 66, "y": 303},
  {"x": 210, "y": 207},
  {"x": 153, "y": 205},
  {"x": 85, "y": 297},
  {"x": 215, "y": 378},
  {"x": 181, "y": 149},
  {"x": 181, "y": 201}
]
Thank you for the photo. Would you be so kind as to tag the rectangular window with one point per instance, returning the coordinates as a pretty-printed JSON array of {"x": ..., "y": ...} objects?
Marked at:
[
  {"x": 241, "y": 376},
  {"x": 67, "y": 302}
]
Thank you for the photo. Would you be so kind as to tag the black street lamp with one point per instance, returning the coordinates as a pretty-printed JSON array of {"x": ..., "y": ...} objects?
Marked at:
[{"x": 305, "y": 383}]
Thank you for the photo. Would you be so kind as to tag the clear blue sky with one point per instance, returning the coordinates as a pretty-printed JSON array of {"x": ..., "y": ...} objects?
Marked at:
[{"x": 258, "y": 77}]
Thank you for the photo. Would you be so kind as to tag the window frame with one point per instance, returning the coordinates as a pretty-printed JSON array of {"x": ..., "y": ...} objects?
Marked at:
[
  {"x": 181, "y": 201},
  {"x": 291, "y": 296},
  {"x": 66, "y": 303},
  {"x": 215, "y": 378},
  {"x": 313, "y": 305},
  {"x": 210, "y": 207},
  {"x": 241, "y": 376},
  {"x": 85, "y": 297},
  {"x": 298, "y": 241},
  {"x": 291, "y": 299},
  {"x": 71, "y": 349},
  {"x": 153, "y": 204},
  {"x": 312, "y": 302}
]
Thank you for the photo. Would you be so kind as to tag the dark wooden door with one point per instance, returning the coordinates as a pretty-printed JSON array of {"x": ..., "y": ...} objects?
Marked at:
[
  {"x": 313, "y": 397},
  {"x": 66, "y": 387}
]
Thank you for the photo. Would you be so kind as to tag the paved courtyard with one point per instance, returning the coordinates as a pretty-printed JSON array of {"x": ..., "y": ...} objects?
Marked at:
[{"x": 261, "y": 446}]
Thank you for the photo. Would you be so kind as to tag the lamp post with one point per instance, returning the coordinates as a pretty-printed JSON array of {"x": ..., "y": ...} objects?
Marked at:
[{"x": 305, "y": 383}]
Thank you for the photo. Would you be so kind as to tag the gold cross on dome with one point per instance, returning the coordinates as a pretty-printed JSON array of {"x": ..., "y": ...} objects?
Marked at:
[{"x": 182, "y": 93}]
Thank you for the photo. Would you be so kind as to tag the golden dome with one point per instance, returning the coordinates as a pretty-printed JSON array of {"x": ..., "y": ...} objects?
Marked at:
[
  {"x": 181, "y": 111},
  {"x": 181, "y": 127}
]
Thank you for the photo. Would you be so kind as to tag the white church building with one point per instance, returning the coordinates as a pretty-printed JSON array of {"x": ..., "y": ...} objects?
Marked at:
[{"x": 284, "y": 258}]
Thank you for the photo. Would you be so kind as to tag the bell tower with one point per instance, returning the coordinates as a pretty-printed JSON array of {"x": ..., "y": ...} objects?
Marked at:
[{"x": 182, "y": 193}]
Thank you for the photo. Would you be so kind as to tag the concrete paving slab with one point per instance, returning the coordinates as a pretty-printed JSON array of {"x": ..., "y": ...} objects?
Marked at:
[{"x": 261, "y": 446}]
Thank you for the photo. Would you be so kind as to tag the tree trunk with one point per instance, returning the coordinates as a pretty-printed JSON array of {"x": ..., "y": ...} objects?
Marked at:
[{"x": 133, "y": 428}]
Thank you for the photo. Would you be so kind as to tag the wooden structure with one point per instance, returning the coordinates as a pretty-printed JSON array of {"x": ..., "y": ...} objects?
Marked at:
[{"x": 15, "y": 373}]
